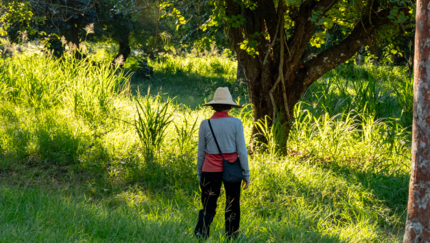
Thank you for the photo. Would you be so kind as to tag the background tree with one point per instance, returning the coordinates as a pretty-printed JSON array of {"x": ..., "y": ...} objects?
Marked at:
[
  {"x": 66, "y": 18},
  {"x": 123, "y": 22},
  {"x": 49, "y": 20},
  {"x": 16, "y": 18},
  {"x": 140, "y": 25}
]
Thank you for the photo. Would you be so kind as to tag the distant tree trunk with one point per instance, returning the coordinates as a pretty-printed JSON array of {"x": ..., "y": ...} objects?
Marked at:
[
  {"x": 240, "y": 74},
  {"x": 418, "y": 217},
  {"x": 75, "y": 26},
  {"x": 124, "y": 50}
]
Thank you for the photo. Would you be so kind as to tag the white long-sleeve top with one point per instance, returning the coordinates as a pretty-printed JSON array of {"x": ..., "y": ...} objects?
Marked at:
[{"x": 229, "y": 134}]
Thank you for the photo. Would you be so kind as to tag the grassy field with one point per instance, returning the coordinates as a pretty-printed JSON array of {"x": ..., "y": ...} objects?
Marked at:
[{"x": 79, "y": 160}]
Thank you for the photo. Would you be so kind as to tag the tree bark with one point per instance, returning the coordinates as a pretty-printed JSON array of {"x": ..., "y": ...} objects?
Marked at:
[
  {"x": 417, "y": 221},
  {"x": 262, "y": 72}
]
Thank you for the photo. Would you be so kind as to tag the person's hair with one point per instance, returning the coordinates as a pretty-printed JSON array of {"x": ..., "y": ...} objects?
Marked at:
[{"x": 221, "y": 107}]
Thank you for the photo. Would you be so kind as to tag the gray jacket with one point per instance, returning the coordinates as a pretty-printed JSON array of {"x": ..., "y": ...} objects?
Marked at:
[{"x": 229, "y": 134}]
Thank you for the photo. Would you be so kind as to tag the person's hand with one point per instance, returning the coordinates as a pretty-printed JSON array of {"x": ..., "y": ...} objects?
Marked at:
[{"x": 245, "y": 184}]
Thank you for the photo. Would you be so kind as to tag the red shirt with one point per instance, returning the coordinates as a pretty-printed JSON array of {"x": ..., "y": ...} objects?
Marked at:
[{"x": 213, "y": 162}]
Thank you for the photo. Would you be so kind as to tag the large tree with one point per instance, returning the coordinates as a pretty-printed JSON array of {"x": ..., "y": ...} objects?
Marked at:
[
  {"x": 417, "y": 223},
  {"x": 273, "y": 41}
]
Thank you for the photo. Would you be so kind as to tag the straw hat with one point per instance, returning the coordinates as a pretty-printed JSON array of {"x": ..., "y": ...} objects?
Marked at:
[{"x": 222, "y": 96}]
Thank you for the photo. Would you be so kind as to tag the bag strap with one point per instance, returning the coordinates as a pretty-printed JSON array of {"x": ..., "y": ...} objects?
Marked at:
[{"x": 213, "y": 135}]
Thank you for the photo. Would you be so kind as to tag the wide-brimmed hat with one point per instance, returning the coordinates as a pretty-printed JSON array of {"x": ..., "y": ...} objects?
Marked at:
[{"x": 222, "y": 96}]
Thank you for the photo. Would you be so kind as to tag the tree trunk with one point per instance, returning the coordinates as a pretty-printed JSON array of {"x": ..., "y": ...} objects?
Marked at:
[
  {"x": 260, "y": 80},
  {"x": 75, "y": 25},
  {"x": 417, "y": 221},
  {"x": 124, "y": 51}
]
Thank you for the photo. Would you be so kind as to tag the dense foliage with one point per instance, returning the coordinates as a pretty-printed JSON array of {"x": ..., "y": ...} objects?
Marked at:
[{"x": 150, "y": 25}]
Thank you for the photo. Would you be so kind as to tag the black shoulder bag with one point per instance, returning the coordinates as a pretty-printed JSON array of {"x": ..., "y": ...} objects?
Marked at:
[{"x": 231, "y": 172}]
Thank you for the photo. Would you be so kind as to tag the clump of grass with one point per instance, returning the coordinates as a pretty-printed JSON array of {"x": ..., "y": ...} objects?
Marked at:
[
  {"x": 185, "y": 133},
  {"x": 151, "y": 123}
]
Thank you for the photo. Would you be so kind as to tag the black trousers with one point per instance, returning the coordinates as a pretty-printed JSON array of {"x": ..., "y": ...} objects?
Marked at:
[{"x": 210, "y": 184}]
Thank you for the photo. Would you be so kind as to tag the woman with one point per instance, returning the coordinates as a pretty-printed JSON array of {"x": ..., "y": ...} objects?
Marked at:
[{"x": 229, "y": 134}]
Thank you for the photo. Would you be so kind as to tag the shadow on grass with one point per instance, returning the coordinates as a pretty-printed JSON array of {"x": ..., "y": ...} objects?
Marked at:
[
  {"x": 64, "y": 214},
  {"x": 189, "y": 89},
  {"x": 390, "y": 190},
  {"x": 384, "y": 194},
  {"x": 57, "y": 145},
  {"x": 172, "y": 172},
  {"x": 30, "y": 214}
]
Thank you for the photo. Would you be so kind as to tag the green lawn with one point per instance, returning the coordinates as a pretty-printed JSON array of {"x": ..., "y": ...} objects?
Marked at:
[{"x": 72, "y": 167}]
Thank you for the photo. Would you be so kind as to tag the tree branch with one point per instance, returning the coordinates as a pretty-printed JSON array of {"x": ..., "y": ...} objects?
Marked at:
[
  {"x": 77, "y": 10},
  {"x": 304, "y": 29},
  {"x": 343, "y": 51}
]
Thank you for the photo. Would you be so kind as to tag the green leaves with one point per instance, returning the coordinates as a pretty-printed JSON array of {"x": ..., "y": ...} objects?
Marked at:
[
  {"x": 315, "y": 16},
  {"x": 393, "y": 12},
  {"x": 250, "y": 46},
  {"x": 318, "y": 39},
  {"x": 210, "y": 23},
  {"x": 16, "y": 11},
  {"x": 235, "y": 21},
  {"x": 246, "y": 4},
  {"x": 396, "y": 16},
  {"x": 180, "y": 20}
]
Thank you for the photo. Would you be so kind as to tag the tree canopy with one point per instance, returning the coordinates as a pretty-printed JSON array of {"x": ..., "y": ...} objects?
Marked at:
[{"x": 285, "y": 46}]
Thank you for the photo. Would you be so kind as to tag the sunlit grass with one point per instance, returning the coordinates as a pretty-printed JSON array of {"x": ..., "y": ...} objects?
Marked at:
[{"x": 72, "y": 165}]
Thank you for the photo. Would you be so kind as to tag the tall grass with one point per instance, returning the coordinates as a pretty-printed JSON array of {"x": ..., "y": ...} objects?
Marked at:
[
  {"x": 209, "y": 66},
  {"x": 274, "y": 134},
  {"x": 185, "y": 133},
  {"x": 151, "y": 124},
  {"x": 379, "y": 92},
  {"x": 71, "y": 165}
]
